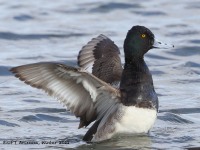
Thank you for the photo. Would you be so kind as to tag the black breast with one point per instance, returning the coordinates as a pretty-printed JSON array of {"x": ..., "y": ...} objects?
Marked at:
[{"x": 137, "y": 86}]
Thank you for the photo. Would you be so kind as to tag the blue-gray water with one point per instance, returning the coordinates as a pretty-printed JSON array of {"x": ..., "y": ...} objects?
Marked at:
[{"x": 44, "y": 30}]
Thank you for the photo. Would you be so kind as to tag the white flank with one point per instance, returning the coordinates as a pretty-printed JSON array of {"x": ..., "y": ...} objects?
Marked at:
[{"x": 136, "y": 120}]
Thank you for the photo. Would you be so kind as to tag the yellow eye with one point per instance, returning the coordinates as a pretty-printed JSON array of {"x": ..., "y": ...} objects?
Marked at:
[{"x": 143, "y": 35}]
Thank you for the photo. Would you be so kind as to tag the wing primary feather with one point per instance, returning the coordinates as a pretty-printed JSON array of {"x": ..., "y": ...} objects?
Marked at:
[{"x": 82, "y": 93}]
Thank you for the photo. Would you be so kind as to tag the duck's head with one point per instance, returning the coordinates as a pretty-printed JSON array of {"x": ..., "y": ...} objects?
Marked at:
[{"x": 140, "y": 40}]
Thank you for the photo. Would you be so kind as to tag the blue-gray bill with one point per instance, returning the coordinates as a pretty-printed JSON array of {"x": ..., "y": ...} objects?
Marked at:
[{"x": 159, "y": 44}]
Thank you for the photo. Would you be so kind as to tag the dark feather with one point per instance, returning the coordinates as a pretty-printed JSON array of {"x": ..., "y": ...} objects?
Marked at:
[{"x": 102, "y": 55}]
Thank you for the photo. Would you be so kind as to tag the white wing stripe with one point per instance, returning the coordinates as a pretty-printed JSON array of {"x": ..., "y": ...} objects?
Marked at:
[{"x": 92, "y": 90}]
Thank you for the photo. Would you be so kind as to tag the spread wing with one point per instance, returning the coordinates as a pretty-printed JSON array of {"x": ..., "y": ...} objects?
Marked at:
[
  {"x": 103, "y": 57},
  {"x": 85, "y": 95}
]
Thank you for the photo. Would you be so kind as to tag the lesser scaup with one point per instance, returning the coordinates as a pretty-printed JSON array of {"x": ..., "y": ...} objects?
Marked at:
[{"x": 131, "y": 108}]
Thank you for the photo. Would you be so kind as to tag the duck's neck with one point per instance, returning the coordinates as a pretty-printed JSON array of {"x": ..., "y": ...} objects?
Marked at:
[{"x": 136, "y": 83}]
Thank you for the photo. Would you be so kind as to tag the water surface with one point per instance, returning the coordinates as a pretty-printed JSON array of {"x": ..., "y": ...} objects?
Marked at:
[{"x": 42, "y": 30}]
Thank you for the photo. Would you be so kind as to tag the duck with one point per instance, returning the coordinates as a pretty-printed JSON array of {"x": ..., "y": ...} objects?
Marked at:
[{"x": 115, "y": 99}]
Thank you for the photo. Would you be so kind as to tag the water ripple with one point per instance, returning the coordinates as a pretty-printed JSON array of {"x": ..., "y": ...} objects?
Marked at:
[
  {"x": 30, "y": 118},
  {"x": 174, "y": 118},
  {"x": 186, "y": 51},
  {"x": 23, "y": 17},
  {"x": 16, "y": 36},
  {"x": 150, "y": 13},
  {"x": 44, "y": 117},
  {"x": 182, "y": 110},
  {"x": 9, "y": 124},
  {"x": 42, "y": 110},
  {"x": 31, "y": 101},
  {"x": 194, "y": 41},
  {"x": 5, "y": 71},
  {"x": 103, "y": 8}
]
